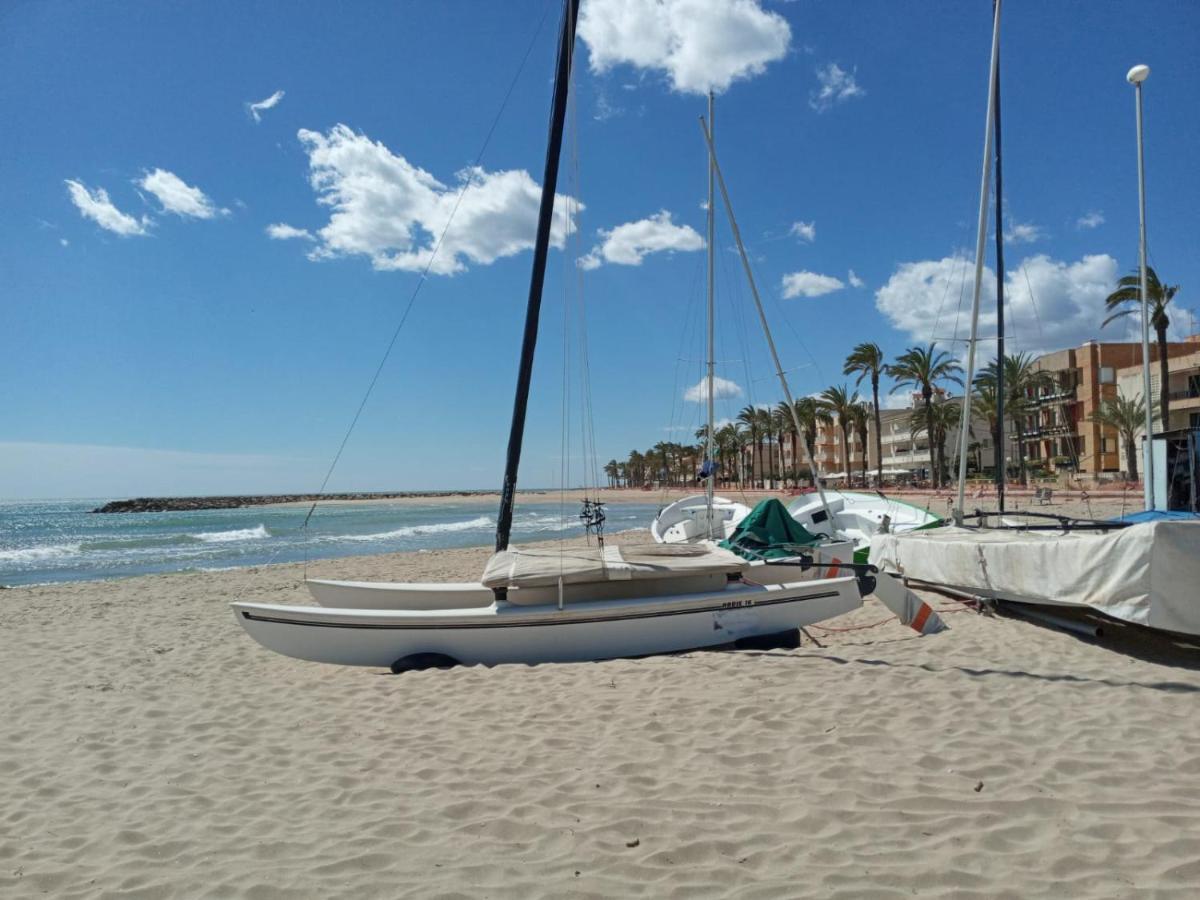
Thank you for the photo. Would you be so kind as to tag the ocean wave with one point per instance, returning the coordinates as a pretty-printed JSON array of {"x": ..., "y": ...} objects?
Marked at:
[
  {"x": 415, "y": 530},
  {"x": 237, "y": 534},
  {"x": 39, "y": 554}
]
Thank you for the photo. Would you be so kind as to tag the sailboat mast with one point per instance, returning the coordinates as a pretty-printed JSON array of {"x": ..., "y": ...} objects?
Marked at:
[
  {"x": 980, "y": 240},
  {"x": 999, "y": 448},
  {"x": 708, "y": 443},
  {"x": 558, "y": 112},
  {"x": 762, "y": 317}
]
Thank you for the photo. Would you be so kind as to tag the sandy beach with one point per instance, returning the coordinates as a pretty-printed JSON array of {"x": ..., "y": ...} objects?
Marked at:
[{"x": 151, "y": 749}]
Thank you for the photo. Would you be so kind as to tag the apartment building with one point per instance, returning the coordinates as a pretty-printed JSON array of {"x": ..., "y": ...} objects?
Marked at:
[
  {"x": 1183, "y": 386},
  {"x": 1058, "y": 433}
]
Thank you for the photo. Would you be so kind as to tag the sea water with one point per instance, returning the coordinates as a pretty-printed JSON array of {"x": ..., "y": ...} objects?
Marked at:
[{"x": 62, "y": 540}]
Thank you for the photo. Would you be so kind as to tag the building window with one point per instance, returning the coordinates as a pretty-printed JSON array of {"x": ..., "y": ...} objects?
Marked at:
[{"x": 1108, "y": 375}]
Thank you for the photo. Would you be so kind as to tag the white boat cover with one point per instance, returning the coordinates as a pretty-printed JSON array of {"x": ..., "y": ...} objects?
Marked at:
[
  {"x": 538, "y": 567},
  {"x": 1146, "y": 574}
]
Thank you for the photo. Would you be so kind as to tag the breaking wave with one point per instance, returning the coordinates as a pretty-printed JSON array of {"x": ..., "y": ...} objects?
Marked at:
[
  {"x": 237, "y": 534},
  {"x": 415, "y": 530},
  {"x": 39, "y": 554}
]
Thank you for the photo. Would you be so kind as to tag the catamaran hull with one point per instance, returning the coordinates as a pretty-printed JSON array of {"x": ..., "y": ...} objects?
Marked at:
[
  {"x": 505, "y": 633},
  {"x": 686, "y": 521},
  {"x": 400, "y": 595},
  {"x": 1146, "y": 574},
  {"x": 859, "y": 516}
]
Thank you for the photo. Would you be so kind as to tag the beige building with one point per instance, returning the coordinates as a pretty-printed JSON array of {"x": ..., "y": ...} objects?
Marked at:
[
  {"x": 1058, "y": 435},
  {"x": 1183, "y": 385}
]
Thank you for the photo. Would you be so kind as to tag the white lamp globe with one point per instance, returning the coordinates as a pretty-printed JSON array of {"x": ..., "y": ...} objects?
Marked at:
[{"x": 1138, "y": 74}]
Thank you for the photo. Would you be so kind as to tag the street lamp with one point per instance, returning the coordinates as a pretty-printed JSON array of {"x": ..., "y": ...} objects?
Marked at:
[{"x": 1136, "y": 76}]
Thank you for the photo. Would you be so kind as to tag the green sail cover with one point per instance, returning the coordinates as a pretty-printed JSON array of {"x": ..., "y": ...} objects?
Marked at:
[{"x": 769, "y": 532}]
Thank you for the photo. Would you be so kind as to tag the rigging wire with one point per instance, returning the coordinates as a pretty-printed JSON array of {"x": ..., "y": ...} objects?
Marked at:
[{"x": 425, "y": 271}]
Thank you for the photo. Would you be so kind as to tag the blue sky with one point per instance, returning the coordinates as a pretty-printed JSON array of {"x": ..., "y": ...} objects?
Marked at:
[{"x": 159, "y": 339}]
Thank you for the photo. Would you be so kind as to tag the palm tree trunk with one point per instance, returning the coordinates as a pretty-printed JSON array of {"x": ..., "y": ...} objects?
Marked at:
[
  {"x": 846, "y": 451},
  {"x": 878, "y": 432},
  {"x": 1131, "y": 458},
  {"x": 1020, "y": 429},
  {"x": 1164, "y": 395},
  {"x": 929, "y": 434}
]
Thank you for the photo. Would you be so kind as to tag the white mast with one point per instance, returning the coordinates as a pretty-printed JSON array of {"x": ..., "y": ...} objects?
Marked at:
[
  {"x": 762, "y": 317},
  {"x": 964, "y": 426},
  {"x": 1136, "y": 76},
  {"x": 708, "y": 443}
]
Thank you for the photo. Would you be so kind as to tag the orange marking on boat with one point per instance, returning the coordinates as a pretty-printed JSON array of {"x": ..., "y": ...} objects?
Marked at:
[{"x": 918, "y": 623}]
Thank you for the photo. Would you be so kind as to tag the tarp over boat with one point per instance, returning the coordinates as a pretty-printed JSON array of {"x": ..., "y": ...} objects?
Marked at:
[
  {"x": 769, "y": 532},
  {"x": 1147, "y": 574},
  {"x": 543, "y": 567}
]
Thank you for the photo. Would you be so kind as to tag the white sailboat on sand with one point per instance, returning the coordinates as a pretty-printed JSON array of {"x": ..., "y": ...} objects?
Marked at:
[
  {"x": 560, "y": 605},
  {"x": 859, "y": 516},
  {"x": 1143, "y": 573}
]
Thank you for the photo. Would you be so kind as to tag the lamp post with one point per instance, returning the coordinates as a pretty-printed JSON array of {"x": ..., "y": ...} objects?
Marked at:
[{"x": 1136, "y": 76}]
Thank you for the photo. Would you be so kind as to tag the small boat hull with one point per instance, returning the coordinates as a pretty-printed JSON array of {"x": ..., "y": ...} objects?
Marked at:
[
  {"x": 686, "y": 521},
  {"x": 859, "y": 516},
  {"x": 509, "y": 633}
]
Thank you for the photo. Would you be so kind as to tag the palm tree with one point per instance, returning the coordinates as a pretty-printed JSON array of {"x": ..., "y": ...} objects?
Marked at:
[
  {"x": 1127, "y": 417},
  {"x": 1022, "y": 381},
  {"x": 811, "y": 414},
  {"x": 984, "y": 404},
  {"x": 753, "y": 421},
  {"x": 612, "y": 471},
  {"x": 786, "y": 428},
  {"x": 1126, "y": 300},
  {"x": 867, "y": 359},
  {"x": 768, "y": 421},
  {"x": 946, "y": 416},
  {"x": 838, "y": 401},
  {"x": 860, "y": 416},
  {"x": 922, "y": 368}
]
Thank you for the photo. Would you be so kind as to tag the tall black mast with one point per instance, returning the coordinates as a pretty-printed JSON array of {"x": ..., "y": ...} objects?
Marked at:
[
  {"x": 999, "y": 448},
  {"x": 558, "y": 112}
]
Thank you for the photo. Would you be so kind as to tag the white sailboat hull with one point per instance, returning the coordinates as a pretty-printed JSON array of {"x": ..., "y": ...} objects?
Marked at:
[
  {"x": 858, "y": 516},
  {"x": 1146, "y": 574},
  {"x": 400, "y": 595},
  {"x": 686, "y": 521},
  {"x": 510, "y": 633}
]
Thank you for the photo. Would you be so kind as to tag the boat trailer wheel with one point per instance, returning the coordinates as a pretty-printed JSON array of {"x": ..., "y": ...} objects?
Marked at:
[{"x": 418, "y": 662}]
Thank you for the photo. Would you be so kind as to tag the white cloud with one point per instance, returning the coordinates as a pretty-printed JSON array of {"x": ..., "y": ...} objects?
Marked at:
[
  {"x": 698, "y": 44},
  {"x": 1094, "y": 219},
  {"x": 628, "y": 244},
  {"x": 854, "y": 280},
  {"x": 178, "y": 197},
  {"x": 722, "y": 389},
  {"x": 809, "y": 284},
  {"x": 900, "y": 400},
  {"x": 96, "y": 206},
  {"x": 836, "y": 86},
  {"x": 1023, "y": 232},
  {"x": 64, "y": 242},
  {"x": 805, "y": 231},
  {"x": 1048, "y": 304},
  {"x": 270, "y": 103},
  {"x": 387, "y": 209},
  {"x": 283, "y": 232}
]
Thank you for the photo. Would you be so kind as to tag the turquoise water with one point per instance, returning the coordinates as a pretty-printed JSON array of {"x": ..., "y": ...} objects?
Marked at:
[{"x": 52, "y": 541}]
